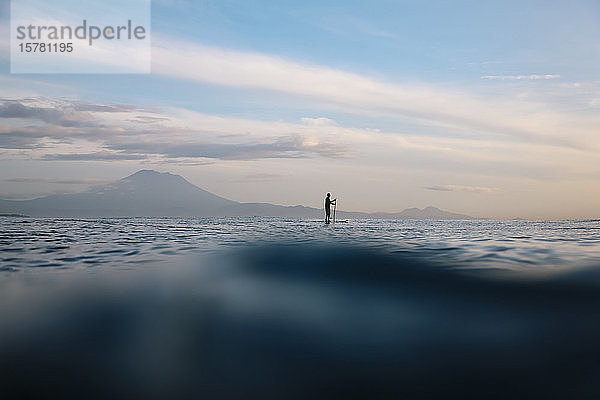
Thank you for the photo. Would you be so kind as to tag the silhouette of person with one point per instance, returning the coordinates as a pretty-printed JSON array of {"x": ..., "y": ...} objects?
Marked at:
[{"x": 328, "y": 203}]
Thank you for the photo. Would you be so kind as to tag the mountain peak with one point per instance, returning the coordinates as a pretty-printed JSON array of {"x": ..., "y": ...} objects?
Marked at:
[
  {"x": 153, "y": 178},
  {"x": 149, "y": 173}
]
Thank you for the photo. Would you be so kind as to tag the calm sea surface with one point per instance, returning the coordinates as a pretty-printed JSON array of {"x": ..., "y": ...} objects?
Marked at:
[
  {"x": 29, "y": 243},
  {"x": 272, "y": 308}
]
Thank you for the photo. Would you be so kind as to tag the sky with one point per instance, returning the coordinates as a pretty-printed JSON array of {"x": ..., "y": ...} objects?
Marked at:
[{"x": 487, "y": 108}]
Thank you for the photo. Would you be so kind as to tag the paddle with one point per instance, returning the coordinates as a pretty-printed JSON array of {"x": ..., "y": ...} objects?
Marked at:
[{"x": 334, "y": 207}]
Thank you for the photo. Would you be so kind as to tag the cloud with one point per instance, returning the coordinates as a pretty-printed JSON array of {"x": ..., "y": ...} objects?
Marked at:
[
  {"x": 284, "y": 147},
  {"x": 126, "y": 132},
  {"x": 460, "y": 188},
  {"x": 492, "y": 116},
  {"x": 319, "y": 121},
  {"x": 39, "y": 122},
  {"x": 98, "y": 156},
  {"x": 14, "y": 109},
  {"x": 58, "y": 181},
  {"x": 521, "y": 77},
  {"x": 148, "y": 119},
  {"x": 497, "y": 116},
  {"x": 18, "y": 139},
  {"x": 66, "y": 113},
  {"x": 190, "y": 137}
]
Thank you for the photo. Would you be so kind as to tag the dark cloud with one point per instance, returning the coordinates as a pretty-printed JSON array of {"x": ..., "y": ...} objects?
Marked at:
[
  {"x": 16, "y": 142},
  {"x": 29, "y": 137},
  {"x": 15, "y": 109},
  {"x": 24, "y": 138},
  {"x": 63, "y": 113},
  {"x": 286, "y": 147},
  {"x": 66, "y": 121},
  {"x": 58, "y": 116},
  {"x": 97, "y": 156}
]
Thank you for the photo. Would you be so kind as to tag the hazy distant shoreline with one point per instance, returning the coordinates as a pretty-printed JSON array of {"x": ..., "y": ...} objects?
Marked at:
[{"x": 148, "y": 193}]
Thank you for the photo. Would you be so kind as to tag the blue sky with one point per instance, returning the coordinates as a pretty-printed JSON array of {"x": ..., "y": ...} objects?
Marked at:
[{"x": 487, "y": 108}]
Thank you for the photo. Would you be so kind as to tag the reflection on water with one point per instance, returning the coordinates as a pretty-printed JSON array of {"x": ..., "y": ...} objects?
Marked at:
[{"x": 270, "y": 308}]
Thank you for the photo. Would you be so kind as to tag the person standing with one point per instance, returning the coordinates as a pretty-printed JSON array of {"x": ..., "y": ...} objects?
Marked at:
[{"x": 328, "y": 203}]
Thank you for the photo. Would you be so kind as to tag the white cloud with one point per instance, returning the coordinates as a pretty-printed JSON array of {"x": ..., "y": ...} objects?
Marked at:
[
  {"x": 334, "y": 88},
  {"x": 521, "y": 77},
  {"x": 497, "y": 117},
  {"x": 319, "y": 121},
  {"x": 461, "y": 188}
]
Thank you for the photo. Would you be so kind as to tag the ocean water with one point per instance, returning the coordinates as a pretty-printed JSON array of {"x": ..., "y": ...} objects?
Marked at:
[
  {"x": 284, "y": 308},
  {"x": 64, "y": 243}
]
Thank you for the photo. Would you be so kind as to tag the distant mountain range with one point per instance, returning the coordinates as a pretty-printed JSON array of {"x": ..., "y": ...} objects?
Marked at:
[{"x": 150, "y": 193}]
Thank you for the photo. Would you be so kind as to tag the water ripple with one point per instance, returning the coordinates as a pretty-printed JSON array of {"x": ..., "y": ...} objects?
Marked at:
[{"x": 80, "y": 242}]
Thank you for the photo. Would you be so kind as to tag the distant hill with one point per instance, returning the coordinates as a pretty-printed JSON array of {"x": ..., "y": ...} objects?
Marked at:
[
  {"x": 426, "y": 213},
  {"x": 151, "y": 193}
]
